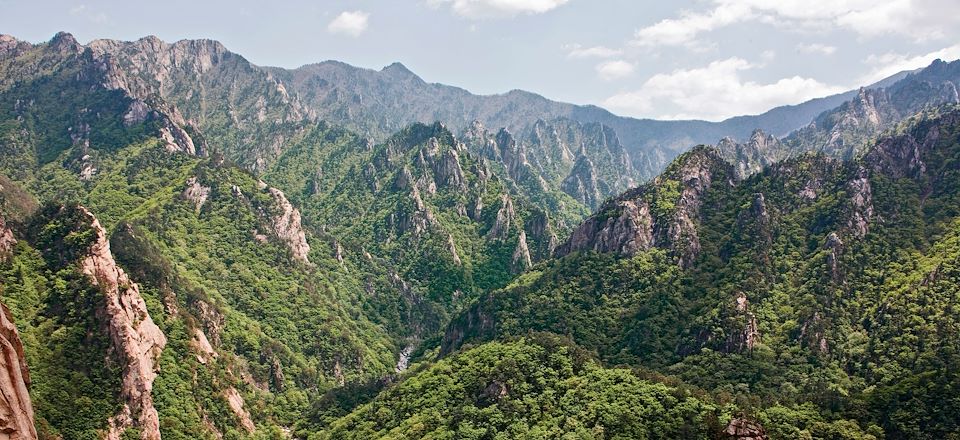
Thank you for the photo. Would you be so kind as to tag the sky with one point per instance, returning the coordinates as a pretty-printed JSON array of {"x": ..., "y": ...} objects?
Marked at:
[{"x": 684, "y": 59}]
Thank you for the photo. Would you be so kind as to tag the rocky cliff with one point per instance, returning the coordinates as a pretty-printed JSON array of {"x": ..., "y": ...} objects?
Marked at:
[
  {"x": 752, "y": 156},
  {"x": 741, "y": 428},
  {"x": 6, "y": 238},
  {"x": 208, "y": 88},
  {"x": 286, "y": 224},
  {"x": 584, "y": 160},
  {"x": 85, "y": 105},
  {"x": 135, "y": 340},
  {"x": 16, "y": 410},
  {"x": 664, "y": 213},
  {"x": 846, "y": 130}
]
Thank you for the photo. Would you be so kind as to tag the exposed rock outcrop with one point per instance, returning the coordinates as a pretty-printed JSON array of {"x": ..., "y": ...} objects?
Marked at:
[
  {"x": 452, "y": 247},
  {"x": 16, "y": 410},
  {"x": 286, "y": 224},
  {"x": 627, "y": 231},
  {"x": 512, "y": 154},
  {"x": 337, "y": 251},
  {"x": 196, "y": 193},
  {"x": 506, "y": 217},
  {"x": 747, "y": 335},
  {"x": 7, "y": 240},
  {"x": 249, "y": 98},
  {"x": 11, "y": 47},
  {"x": 415, "y": 219},
  {"x": 521, "y": 255},
  {"x": 754, "y": 226},
  {"x": 748, "y": 158},
  {"x": 813, "y": 334},
  {"x": 235, "y": 401},
  {"x": 583, "y": 160},
  {"x": 834, "y": 246},
  {"x": 860, "y": 193},
  {"x": 202, "y": 347},
  {"x": 448, "y": 171},
  {"x": 212, "y": 320},
  {"x": 582, "y": 184},
  {"x": 696, "y": 177},
  {"x": 844, "y": 132},
  {"x": 741, "y": 428},
  {"x": 903, "y": 155},
  {"x": 654, "y": 215},
  {"x": 542, "y": 233},
  {"x": 134, "y": 338}
]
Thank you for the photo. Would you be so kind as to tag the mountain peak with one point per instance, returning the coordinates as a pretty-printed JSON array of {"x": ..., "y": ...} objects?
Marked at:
[
  {"x": 64, "y": 41},
  {"x": 9, "y": 43},
  {"x": 63, "y": 36},
  {"x": 397, "y": 68}
]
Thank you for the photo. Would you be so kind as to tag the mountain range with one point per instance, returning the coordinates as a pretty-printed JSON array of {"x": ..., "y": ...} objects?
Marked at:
[{"x": 193, "y": 246}]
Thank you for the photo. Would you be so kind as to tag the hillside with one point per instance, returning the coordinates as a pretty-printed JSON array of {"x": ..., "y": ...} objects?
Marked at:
[{"x": 815, "y": 282}]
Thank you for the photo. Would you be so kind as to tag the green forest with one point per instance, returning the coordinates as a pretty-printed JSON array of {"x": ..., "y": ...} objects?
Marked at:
[{"x": 313, "y": 283}]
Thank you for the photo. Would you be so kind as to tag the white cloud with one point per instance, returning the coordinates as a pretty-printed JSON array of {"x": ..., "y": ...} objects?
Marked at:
[
  {"x": 352, "y": 23},
  {"x": 616, "y": 69},
  {"x": 888, "y": 64},
  {"x": 714, "y": 92},
  {"x": 684, "y": 30},
  {"x": 817, "y": 48},
  {"x": 480, "y": 9},
  {"x": 916, "y": 19},
  {"x": 97, "y": 17},
  {"x": 578, "y": 51}
]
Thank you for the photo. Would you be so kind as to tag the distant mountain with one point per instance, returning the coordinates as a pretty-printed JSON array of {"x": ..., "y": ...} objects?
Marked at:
[
  {"x": 846, "y": 131},
  {"x": 381, "y": 102},
  {"x": 585, "y": 161},
  {"x": 254, "y": 112}
]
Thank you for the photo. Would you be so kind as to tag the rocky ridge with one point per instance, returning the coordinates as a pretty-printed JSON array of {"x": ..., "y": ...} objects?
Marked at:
[
  {"x": 287, "y": 226},
  {"x": 135, "y": 339},
  {"x": 188, "y": 75},
  {"x": 584, "y": 160},
  {"x": 664, "y": 213},
  {"x": 7, "y": 240},
  {"x": 16, "y": 410}
]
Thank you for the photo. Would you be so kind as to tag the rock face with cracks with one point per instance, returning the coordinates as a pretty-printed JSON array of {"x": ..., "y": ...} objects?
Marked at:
[
  {"x": 16, "y": 411},
  {"x": 134, "y": 338}
]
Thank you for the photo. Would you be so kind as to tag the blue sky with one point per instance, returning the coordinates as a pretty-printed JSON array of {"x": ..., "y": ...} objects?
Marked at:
[{"x": 707, "y": 59}]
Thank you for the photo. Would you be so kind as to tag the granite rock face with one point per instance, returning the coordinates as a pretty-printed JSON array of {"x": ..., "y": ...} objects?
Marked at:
[
  {"x": 663, "y": 214},
  {"x": 506, "y": 217},
  {"x": 235, "y": 401},
  {"x": 286, "y": 224},
  {"x": 200, "y": 85},
  {"x": 752, "y": 156},
  {"x": 134, "y": 338},
  {"x": 521, "y": 255},
  {"x": 7, "y": 240},
  {"x": 741, "y": 428},
  {"x": 584, "y": 160},
  {"x": 16, "y": 410}
]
